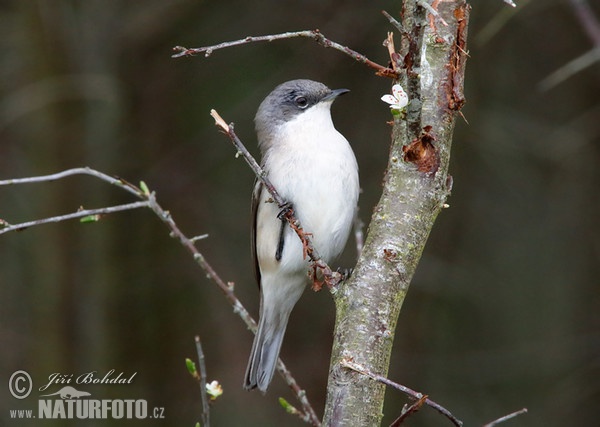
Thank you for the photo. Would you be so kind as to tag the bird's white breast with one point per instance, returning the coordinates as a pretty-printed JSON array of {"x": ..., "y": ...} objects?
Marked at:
[{"x": 313, "y": 167}]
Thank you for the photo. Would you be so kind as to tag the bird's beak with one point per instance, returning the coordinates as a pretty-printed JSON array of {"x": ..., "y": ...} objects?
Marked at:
[{"x": 334, "y": 94}]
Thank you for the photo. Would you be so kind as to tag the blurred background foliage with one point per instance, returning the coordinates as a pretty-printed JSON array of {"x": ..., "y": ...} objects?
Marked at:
[{"x": 503, "y": 312}]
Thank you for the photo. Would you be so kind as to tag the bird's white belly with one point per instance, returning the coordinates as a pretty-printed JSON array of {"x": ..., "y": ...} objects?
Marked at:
[{"x": 321, "y": 182}]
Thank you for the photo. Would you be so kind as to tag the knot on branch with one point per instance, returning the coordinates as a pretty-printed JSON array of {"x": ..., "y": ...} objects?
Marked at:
[{"x": 423, "y": 153}]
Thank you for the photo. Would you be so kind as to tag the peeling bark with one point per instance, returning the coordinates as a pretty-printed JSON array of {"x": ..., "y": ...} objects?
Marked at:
[{"x": 416, "y": 184}]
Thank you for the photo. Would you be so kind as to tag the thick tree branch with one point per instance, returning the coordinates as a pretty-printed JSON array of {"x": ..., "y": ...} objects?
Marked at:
[
  {"x": 416, "y": 184},
  {"x": 315, "y": 35}
]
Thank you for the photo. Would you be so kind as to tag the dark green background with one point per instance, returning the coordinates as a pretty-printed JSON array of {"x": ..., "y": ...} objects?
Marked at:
[{"x": 503, "y": 312}]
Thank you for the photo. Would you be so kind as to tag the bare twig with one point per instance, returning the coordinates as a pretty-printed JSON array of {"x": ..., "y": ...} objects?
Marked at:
[
  {"x": 393, "y": 21},
  {"x": 409, "y": 410},
  {"x": 238, "y": 308},
  {"x": 148, "y": 199},
  {"x": 315, "y": 35},
  {"x": 76, "y": 171},
  {"x": 307, "y": 415},
  {"x": 432, "y": 10},
  {"x": 202, "y": 381},
  {"x": 81, "y": 213},
  {"x": 500, "y": 20},
  {"x": 413, "y": 394},
  {"x": 506, "y": 417},
  {"x": 568, "y": 70},
  {"x": 394, "y": 56},
  {"x": 200, "y": 237},
  {"x": 331, "y": 277},
  {"x": 585, "y": 15}
]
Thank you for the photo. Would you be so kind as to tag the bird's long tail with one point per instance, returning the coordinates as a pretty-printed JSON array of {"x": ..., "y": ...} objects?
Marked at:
[{"x": 266, "y": 346}]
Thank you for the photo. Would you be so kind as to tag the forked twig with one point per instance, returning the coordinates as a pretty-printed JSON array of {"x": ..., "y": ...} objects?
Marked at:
[
  {"x": 148, "y": 200},
  {"x": 315, "y": 35},
  {"x": 409, "y": 410},
  {"x": 420, "y": 398},
  {"x": 408, "y": 391}
]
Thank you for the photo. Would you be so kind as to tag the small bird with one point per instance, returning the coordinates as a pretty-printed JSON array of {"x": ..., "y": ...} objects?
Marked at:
[{"x": 313, "y": 168}]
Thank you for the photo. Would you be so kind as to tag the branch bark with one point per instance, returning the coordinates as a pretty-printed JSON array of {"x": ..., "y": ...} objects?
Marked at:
[{"x": 415, "y": 188}]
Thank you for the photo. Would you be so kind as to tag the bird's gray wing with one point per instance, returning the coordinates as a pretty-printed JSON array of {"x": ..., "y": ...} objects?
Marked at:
[{"x": 256, "y": 194}]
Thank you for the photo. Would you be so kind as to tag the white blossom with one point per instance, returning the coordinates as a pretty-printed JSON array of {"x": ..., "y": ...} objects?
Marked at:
[
  {"x": 214, "y": 389},
  {"x": 398, "y": 99}
]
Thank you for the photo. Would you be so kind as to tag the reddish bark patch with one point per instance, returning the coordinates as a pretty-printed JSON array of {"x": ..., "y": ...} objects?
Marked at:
[
  {"x": 423, "y": 153},
  {"x": 456, "y": 97}
]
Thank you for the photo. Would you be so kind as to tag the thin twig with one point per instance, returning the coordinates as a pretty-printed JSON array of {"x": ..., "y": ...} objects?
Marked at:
[
  {"x": 315, "y": 35},
  {"x": 394, "y": 22},
  {"x": 506, "y": 417},
  {"x": 407, "y": 411},
  {"x": 432, "y": 11},
  {"x": 568, "y": 70},
  {"x": 586, "y": 17},
  {"x": 149, "y": 200},
  {"x": 495, "y": 25},
  {"x": 238, "y": 308},
  {"x": 410, "y": 392},
  {"x": 76, "y": 171},
  {"x": 6, "y": 227},
  {"x": 205, "y": 403},
  {"x": 394, "y": 56},
  {"x": 331, "y": 277},
  {"x": 307, "y": 415}
]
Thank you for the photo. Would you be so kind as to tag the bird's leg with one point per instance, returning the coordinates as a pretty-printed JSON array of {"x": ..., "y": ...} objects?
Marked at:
[
  {"x": 345, "y": 272},
  {"x": 281, "y": 241},
  {"x": 320, "y": 275},
  {"x": 286, "y": 208},
  {"x": 284, "y": 214},
  {"x": 317, "y": 284}
]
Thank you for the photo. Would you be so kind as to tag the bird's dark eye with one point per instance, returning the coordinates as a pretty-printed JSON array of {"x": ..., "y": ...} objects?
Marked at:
[{"x": 301, "y": 102}]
